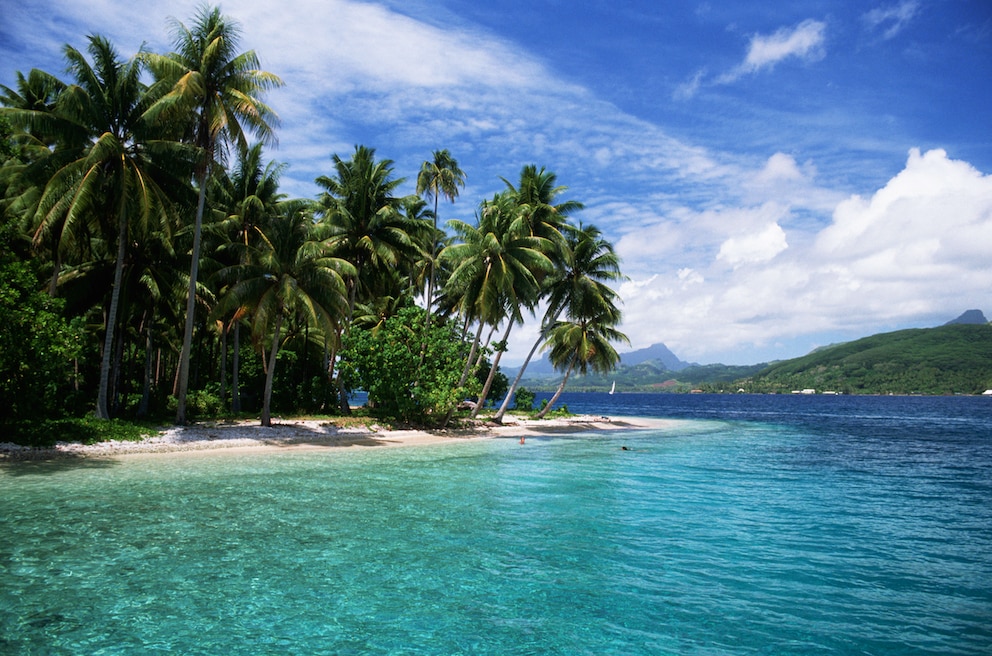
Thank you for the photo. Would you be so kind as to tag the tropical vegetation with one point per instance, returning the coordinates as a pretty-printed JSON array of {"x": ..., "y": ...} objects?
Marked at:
[{"x": 150, "y": 266}]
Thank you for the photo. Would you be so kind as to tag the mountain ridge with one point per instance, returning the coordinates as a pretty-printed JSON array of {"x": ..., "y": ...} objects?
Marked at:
[{"x": 943, "y": 359}]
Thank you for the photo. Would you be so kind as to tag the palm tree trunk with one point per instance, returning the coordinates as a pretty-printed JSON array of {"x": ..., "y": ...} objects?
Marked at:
[
  {"x": 520, "y": 374},
  {"x": 53, "y": 286},
  {"x": 191, "y": 303},
  {"x": 498, "y": 417},
  {"x": 108, "y": 339},
  {"x": 352, "y": 299},
  {"x": 267, "y": 395},
  {"x": 492, "y": 373},
  {"x": 561, "y": 388},
  {"x": 235, "y": 365},
  {"x": 466, "y": 370},
  {"x": 223, "y": 363},
  {"x": 146, "y": 388}
]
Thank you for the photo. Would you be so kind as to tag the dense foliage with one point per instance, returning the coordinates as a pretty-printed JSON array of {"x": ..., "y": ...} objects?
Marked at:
[
  {"x": 151, "y": 266},
  {"x": 38, "y": 346},
  {"x": 385, "y": 361}
]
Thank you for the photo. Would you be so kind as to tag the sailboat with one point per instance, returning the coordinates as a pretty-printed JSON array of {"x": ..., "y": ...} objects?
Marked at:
[{"x": 614, "y": 388}]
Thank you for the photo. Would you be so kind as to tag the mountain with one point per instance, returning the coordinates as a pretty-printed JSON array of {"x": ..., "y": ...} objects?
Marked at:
[
  {"x": 954, "y": 358},
  {"x": 658, "y": 355},
  {"x": 951, "y": 359},
  {"x": 656, "y": 352},
  {"x": 969, "y": 317}
]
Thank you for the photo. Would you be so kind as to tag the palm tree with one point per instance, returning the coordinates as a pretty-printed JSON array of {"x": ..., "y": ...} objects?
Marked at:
[
  {"x": 367, "y": 227},
  {"x": 250, "y": 198},
  {"x": 121, "y": 181},
  {"x": 495, "y": 269},
  {"x": 539, "y": 212},
  {"x": 46, "y": 142},
  {"x": 291, "y": 271},
  {"x": 586, "y": 263},
  {"x": 582, "y": 344},
  {"x": 367, "y": 224},
  {"x": 219, "y": 91},
  {"x": 438, "y": 177}
]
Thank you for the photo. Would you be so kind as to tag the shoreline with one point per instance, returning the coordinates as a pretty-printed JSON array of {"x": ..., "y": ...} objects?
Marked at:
[{"x": 308, "y": 434}]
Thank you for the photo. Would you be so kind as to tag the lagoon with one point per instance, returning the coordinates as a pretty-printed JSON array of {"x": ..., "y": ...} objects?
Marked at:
[{"x": 765, "y": 524}]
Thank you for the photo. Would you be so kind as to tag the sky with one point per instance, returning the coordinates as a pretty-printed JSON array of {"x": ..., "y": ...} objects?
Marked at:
[{"x": 776, "y": 176}]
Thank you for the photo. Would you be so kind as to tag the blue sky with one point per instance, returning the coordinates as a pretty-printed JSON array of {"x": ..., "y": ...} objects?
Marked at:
[{"x": 777, "y": 176}]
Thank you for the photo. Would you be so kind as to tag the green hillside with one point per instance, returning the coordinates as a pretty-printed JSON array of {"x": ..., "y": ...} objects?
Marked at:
[{"x": 952, "y": 359}]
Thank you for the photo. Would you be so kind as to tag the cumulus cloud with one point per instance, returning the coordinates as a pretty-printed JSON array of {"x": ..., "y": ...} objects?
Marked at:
[
  {"x": 915, "y": 247},
  {"x": 936, "y": 211},
  {"x": 753, "y": 248}
]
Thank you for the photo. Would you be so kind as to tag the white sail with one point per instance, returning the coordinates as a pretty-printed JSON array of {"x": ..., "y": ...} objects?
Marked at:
[{"x": 614, "y": 388}]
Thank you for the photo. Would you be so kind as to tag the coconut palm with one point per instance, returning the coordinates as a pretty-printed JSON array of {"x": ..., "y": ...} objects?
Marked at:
[
  {"x": 218, "y": 93},
  {"x": 250, "y": 199},
  {"x": 578, "y": 287},
  {"x": 31, "y": 107},
  {"x": 495, "y": 270},
  {"x": 539, "y": 212},
  {"x": 291, "y": 271},
  {"x": 440, "y": 176},
  {"x": 366, "y": 221},
  {"x": 367, "y": 227},
  {"x": 583, "y": 344},
  {"x": 120, "y": 182}
]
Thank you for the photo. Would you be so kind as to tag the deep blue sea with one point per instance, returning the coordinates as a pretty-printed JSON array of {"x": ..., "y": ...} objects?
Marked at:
[{"x": 748, "y": 524}]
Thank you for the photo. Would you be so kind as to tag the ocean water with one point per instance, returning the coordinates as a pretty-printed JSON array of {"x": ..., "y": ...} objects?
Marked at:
[{"x": 749, "y": 524}]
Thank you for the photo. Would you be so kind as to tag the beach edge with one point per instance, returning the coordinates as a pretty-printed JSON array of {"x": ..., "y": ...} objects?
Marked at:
[{"x": 304, "y": 434}]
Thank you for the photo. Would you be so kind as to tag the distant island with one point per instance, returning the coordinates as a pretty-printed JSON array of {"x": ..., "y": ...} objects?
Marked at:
[{"x": 955, "y": 358}]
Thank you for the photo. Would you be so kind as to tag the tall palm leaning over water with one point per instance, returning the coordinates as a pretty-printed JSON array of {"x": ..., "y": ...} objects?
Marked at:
[
  {"x": 578, "y": 287},
  {"x": 123, "y": 179},
  {"x": 219, "y": 92},
  {"x": 494, "y": 270},
  {"x": 584, "y": 343},
  {"x": 290, "y": 271}
]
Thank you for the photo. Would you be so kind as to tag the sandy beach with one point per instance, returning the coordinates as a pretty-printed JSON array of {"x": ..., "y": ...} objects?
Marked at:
[{"x": 285, "y": 434}]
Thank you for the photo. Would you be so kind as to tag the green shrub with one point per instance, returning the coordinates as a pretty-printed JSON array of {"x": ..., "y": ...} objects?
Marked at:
[{"x": 523, "y": 399}]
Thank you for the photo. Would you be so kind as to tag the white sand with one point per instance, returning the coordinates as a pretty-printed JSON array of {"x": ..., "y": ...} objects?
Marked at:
[{"x": 304, "y": 434}]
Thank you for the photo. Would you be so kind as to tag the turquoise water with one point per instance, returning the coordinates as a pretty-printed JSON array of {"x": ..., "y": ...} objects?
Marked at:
[{"x": 746, "y": 529}]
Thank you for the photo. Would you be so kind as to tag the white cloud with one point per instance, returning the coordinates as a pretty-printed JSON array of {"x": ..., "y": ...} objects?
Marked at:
[
  {"x": 937, "y": 210},
  {"x": 754, "y": 248},
  {"x": 916, "y": 247},
  {"x": 891, "y": 20},
  {"x": 690, "y": 87},
  {"x": 780, "y": 167},
  {"x": 804, "y": 41}
]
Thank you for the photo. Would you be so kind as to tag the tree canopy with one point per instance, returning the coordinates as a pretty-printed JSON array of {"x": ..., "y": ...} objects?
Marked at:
[{"x": 153, "y": 265}]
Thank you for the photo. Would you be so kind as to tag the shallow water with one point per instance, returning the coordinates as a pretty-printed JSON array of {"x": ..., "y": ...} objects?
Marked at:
[{"x": 754, "y": 524}]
